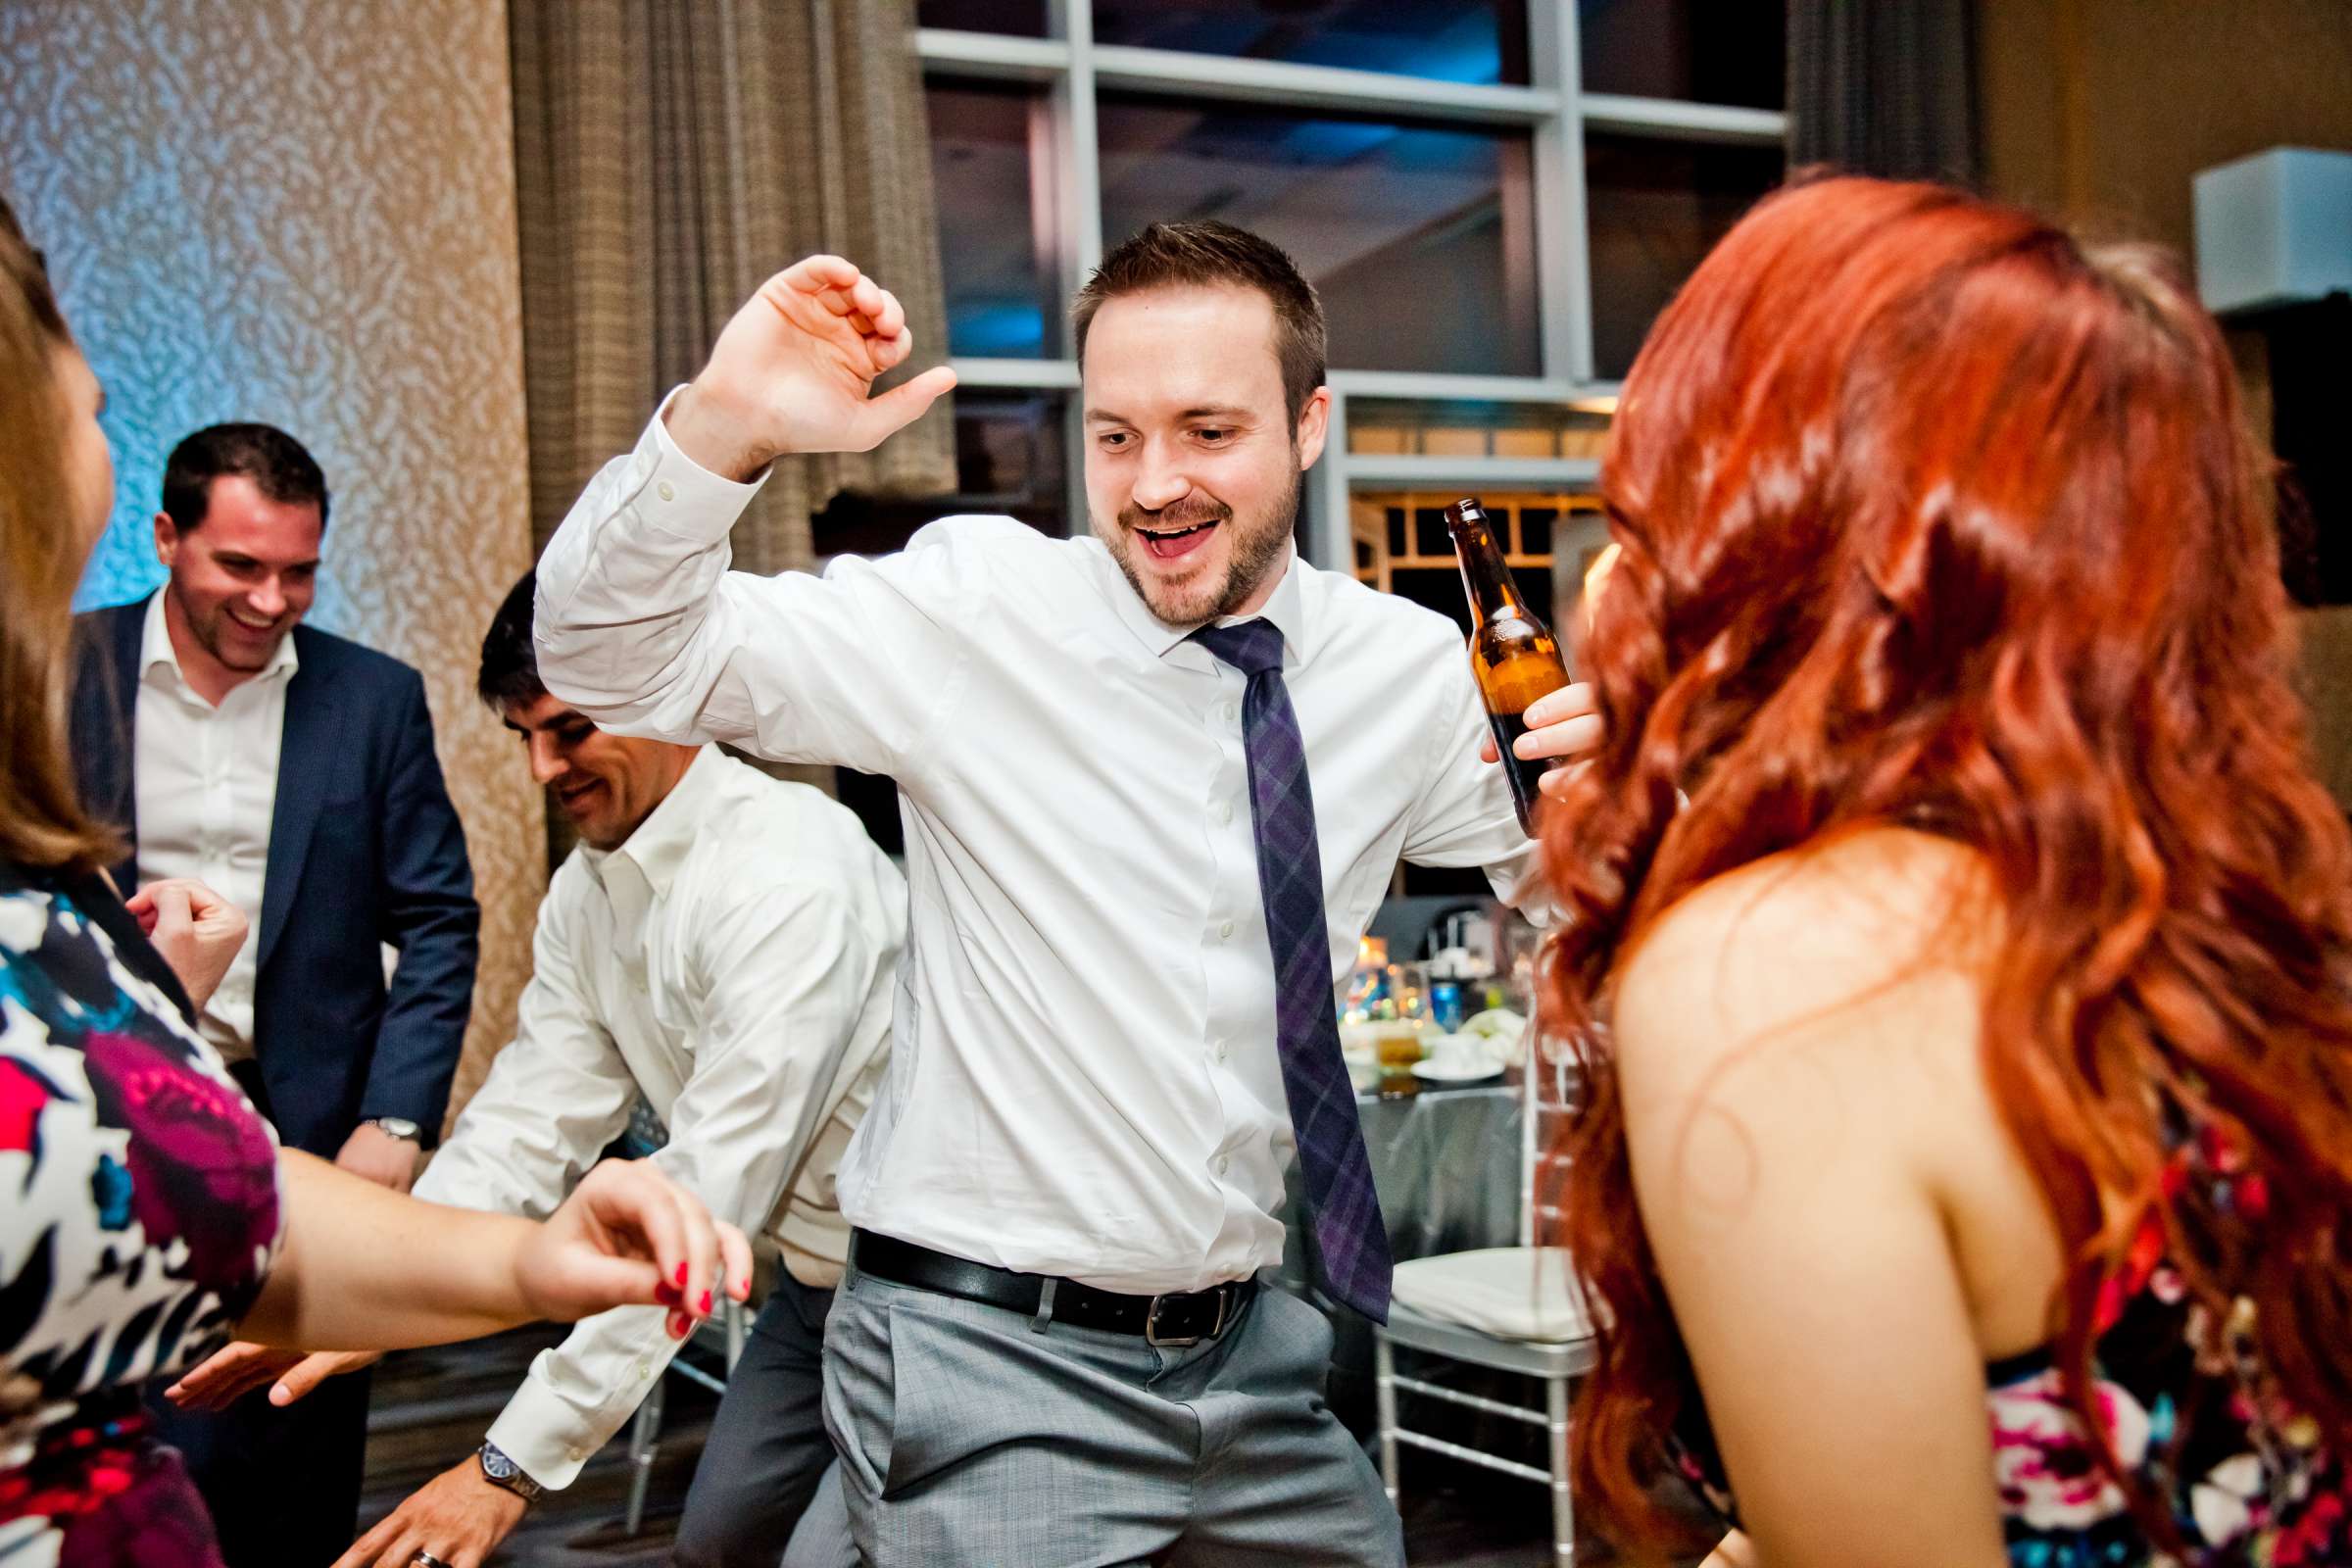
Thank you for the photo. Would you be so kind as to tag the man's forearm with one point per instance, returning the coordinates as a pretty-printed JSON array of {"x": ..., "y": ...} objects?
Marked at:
[{"x": 579, "y": 1393}]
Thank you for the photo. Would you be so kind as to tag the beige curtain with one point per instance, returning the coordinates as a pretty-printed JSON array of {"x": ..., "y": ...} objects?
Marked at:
[{"x": 672, "y": 154}]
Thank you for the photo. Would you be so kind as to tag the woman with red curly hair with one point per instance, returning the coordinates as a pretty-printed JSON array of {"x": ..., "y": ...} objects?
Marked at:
[{"x": 1976, "y": 1041}]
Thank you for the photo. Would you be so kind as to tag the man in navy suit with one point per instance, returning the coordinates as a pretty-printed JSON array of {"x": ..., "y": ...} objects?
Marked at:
[{"x": 294, "y": 773}]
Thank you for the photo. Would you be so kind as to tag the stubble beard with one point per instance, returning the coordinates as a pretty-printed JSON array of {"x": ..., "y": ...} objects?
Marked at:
[{"x": 1256, "y": 548}]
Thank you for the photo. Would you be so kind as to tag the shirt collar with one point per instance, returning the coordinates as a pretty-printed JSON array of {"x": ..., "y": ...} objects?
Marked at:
[
  {"x": 1286, "y": 608},
  {"x": 156, "y": 650},
  {"x": 658, "y": 846}
]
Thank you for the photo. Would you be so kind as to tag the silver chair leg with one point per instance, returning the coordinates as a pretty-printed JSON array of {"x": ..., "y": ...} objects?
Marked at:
[
  {"x": 644, "y": 1443},
  {"x": 734, "y": 1317},
  {"x": 1563, "y": 1507},
  {"x": 1384, "y": 1385}
]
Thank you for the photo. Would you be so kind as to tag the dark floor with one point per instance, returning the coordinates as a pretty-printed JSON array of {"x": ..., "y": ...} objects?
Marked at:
[{"x": 432, "y": 1407}]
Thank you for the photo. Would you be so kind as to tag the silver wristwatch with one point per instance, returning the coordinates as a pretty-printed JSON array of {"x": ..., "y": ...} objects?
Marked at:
[
  {"x": 501, "y": 1471},
  {"x": 402, "y": 1128}
]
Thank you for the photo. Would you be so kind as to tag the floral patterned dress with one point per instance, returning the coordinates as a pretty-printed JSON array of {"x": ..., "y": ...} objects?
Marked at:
[
  {"x": 2250, "y": 1483},
  {"x": 138, "y": 1214}
]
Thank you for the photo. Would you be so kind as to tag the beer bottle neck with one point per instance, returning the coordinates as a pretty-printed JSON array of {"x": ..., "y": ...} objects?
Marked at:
[{"x": 1484, "y": 574}]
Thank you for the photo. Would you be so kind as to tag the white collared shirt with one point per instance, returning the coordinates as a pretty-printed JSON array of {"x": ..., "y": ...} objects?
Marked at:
[
  {"x": 712, "y": 963},
  {"x": 1084, "y": 1080},
  {"x": 206, "y": 788}
]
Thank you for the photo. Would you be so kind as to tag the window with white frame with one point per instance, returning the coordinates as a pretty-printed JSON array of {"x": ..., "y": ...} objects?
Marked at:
[{"x": 1492, "y": 198}]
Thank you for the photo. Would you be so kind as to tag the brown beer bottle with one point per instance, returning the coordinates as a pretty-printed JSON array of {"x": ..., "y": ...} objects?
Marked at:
[{"x": 1512, "y": 653}]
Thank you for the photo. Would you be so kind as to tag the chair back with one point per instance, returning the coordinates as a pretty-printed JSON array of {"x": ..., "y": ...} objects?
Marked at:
[{"x": 1547, "y": 1090}]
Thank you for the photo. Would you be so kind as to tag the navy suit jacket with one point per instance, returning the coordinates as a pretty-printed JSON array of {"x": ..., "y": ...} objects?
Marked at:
[{"x": 365, "y": 848}]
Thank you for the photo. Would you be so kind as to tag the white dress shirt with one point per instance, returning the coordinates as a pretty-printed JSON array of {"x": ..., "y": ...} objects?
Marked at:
[
  {"x": 206, "y": 788},
  {"x": 712, "y": 963},
  {"x": 1084, "y": 1080}
]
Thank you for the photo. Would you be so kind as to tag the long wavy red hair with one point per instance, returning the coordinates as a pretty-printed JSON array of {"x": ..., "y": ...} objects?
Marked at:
[{"x": 1931, "y": 516}]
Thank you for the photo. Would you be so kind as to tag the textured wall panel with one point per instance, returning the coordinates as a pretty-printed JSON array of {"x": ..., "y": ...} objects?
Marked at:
[{"x": 303, "y": 212}]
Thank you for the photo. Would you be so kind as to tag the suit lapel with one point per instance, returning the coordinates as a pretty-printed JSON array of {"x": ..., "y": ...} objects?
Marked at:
[{"x": 306, "y": 754}]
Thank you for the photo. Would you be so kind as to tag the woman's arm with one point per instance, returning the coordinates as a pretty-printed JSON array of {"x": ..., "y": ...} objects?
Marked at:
[{"x": 364, "y": 1269}]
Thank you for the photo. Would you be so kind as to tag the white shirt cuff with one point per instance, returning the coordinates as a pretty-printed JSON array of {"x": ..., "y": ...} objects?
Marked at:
[
  {"x": 678, "y": 495},
  {"x": 551, "y": 1438}
]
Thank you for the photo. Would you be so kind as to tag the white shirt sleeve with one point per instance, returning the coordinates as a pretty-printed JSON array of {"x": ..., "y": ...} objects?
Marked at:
[
  {"x": 788, "y": 973},
  {"x": 554, "y": 1100},
  {"x": 1465, "y": 816},
  {"x": 641, "y": 626}
]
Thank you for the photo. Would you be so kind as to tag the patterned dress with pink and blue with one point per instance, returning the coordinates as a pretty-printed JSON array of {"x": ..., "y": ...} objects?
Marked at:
[
  {"x": 138, "y": 1214},
  {"x": 2247, "y": 1481}
]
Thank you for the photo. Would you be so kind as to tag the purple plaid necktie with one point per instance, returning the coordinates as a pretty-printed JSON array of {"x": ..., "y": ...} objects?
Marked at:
[{"x": 1342, "y": 1211}]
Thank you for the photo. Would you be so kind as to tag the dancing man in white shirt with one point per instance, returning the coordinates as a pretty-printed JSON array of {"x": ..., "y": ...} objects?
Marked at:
[
  {"x": 1114, "y": 1026},
  {"x": 724, "y": 944}
]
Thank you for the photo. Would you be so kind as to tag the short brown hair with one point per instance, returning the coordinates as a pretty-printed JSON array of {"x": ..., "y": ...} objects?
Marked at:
[
  {"x": 42, "y": 822},
  {"x": 1210, "y": 253}
]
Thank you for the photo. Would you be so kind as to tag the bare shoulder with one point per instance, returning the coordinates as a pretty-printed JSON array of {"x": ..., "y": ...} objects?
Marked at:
[{"x": 1830, "y": 989}]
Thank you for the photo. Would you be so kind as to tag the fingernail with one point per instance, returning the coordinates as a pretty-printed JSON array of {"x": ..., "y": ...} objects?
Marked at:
[
  {"x": 666, "y": 1295},
  {"x": 677, "y": 1324},
  {"x": 681, "y": 1276},
  {"x": 705, "y": 1308},
  {"x": 743, "y": 1288}
]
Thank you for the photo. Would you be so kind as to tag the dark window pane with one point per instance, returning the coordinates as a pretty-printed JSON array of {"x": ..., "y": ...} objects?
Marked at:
[
  {"x": 1001, "y": 300},
  {"x": 1439, "y": 588},
  {"x": 1009, "y": 459},
  {"x": 1535, "y": 531},
  {"x": 1451, "y": 40},
  {"x": 1706, "y": 51},
  {"x": 1396, "y": 515},
  {"x": 1024, "y": 17},
  {"x": 1421, "y": 241},
  {"x": 1430, "y": 536},
  {"x": 1652, "y": 209}
]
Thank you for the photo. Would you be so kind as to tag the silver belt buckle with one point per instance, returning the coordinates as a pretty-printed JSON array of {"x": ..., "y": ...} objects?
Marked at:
[{"x": 1151, "y": 1334}]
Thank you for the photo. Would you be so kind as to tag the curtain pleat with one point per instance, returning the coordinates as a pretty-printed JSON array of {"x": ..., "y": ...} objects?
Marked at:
[{"x": 1883, "y": 87}]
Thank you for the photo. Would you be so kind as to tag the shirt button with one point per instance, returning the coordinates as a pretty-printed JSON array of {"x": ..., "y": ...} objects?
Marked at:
[
  {"x": 1225, "y": 930},
  {"x": 1222, "y": 1163},
  {"x": 1225, "y": 814},
  {"x": 578, "y": 1455},
  {"x": 1232, "y": 712},
  {"x": 1219, "y": 1049},
  {"x": 666, "y": 491}
]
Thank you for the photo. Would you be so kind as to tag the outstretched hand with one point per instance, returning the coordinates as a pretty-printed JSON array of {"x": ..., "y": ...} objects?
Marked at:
[
  {"x": 626, "y": 1235},
  {"x": 794, "y": 373},
  {"x": 458, "y": 1518},
  {"x": 235, "y": 1370}
]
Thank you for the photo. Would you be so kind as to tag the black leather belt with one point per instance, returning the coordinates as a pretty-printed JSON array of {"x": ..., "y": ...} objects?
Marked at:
[{"x": 1174, "y": 1320}]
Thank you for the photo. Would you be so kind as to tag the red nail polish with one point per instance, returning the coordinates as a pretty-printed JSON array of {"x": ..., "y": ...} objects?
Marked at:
[
  {"x": 666, "y": 1295},
  {"x": 705, "y": 1306},
  {"x": 681, "y": 1276},
  {"x": 677, "y": 1324}
]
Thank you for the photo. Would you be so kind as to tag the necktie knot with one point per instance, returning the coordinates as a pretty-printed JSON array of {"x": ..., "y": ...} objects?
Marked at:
[{"x": 1255, "y": 647}]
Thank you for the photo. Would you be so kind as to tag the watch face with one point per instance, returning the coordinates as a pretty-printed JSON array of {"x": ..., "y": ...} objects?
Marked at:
[
  {"x": 397, "y": 1126},
  {"x": 506, "y": 1472}
]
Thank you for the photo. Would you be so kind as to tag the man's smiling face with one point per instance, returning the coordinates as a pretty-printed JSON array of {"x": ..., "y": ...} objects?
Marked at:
[{"x": 1193, "y": 463}]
